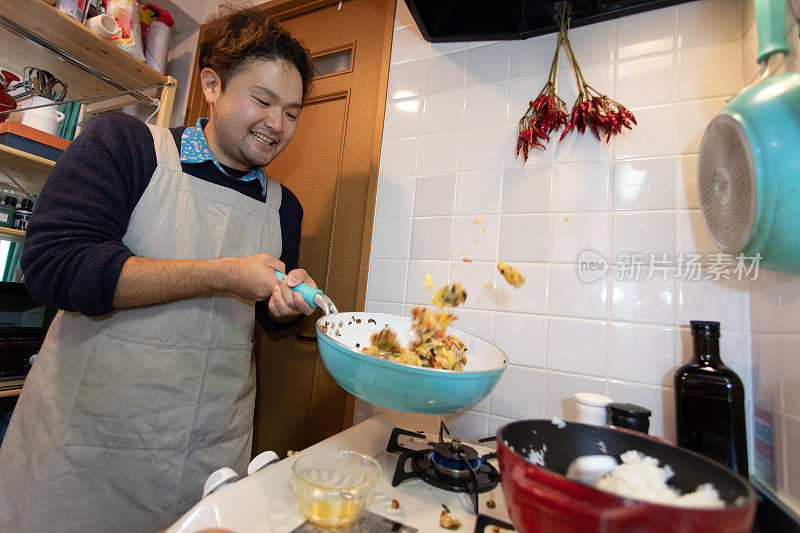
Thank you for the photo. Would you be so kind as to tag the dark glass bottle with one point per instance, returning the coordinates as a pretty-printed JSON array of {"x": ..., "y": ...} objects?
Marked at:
[{"x": 709, "y": 403}]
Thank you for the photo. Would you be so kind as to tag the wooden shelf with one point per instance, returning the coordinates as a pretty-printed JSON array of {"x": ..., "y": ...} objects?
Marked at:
[
  {"x": 41, "y": 19},
  {"x": 11, "y": 388},
  {"x": 31, "y": 171},
  {"x": 6, "y": 393},
  {"x": 15, "y": 234}
]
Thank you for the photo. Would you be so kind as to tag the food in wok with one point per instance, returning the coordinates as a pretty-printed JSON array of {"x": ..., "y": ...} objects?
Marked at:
[
  {"x": 640, "y": 477},
  {"x": 431, "y": 348},
  {"x": 451, "y": 295}
]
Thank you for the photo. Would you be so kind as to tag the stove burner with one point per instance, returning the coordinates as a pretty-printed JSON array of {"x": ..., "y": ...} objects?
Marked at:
[
  {"x": 455, "y": 459},
  {"x": 449, "y": 465}
]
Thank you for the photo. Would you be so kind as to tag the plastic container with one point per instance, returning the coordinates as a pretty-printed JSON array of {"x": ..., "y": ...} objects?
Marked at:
[
  {"x": 334, "y": 487},
  {"x": 591, "y": 408},
  {"x": 74, "y": 8}
]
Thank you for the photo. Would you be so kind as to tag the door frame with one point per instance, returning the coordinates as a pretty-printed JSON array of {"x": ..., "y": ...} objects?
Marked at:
[{"x": 283, "y": 9}]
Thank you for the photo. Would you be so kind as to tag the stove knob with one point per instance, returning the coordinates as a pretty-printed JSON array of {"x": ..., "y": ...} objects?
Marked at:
[
  {"x": 218, "y": 479},
  {"x": 261, "y": 461}
]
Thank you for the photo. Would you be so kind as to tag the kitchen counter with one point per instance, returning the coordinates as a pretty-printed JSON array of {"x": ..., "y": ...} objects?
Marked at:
[{"x": 266, "y": 501}]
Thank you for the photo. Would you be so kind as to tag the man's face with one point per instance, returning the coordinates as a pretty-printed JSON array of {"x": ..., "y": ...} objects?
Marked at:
[{"x": 255, "y": 117}]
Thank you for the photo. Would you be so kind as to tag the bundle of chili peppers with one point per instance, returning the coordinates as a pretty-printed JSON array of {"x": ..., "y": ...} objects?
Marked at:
[
  {"x": 547, "y": 113},
  {"x": 592, "y": 110}
]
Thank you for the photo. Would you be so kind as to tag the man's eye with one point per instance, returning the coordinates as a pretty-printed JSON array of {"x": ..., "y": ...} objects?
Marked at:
[
  {"x": 262, "y": 102},
  {"x": 291, "y": 117}
]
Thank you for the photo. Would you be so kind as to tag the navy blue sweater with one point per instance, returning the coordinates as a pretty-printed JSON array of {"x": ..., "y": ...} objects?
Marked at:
[{"x": 74, "y": 253}]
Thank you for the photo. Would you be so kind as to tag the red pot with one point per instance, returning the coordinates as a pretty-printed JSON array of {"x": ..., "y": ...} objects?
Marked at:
[{"x": 543, "y": 500}]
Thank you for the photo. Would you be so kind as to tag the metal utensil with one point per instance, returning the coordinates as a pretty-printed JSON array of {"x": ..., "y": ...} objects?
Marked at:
[{"x": 56, "y": 85}]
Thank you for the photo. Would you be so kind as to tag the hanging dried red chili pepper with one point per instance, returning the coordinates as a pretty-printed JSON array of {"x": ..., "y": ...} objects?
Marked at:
[
  {"x": 547, "y": 113},
  {"x": 603, "y": 116}
]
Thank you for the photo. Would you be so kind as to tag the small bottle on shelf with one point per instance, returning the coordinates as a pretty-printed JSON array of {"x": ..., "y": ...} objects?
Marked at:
[
  {"x": 709, "y": 403},
  {"x": 23, "y": 214},
  {"x": 7, "y": 212}
]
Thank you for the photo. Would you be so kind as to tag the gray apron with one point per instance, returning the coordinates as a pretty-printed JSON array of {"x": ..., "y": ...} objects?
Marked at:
[{"x": 123, "y": 416}]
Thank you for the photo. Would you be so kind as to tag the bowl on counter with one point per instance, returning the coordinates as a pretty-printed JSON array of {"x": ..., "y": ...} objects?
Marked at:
[{"x": 334, "y": 487}]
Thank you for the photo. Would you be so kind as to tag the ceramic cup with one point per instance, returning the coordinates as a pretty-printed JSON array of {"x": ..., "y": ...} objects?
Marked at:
[
  {"x": 103, "y": 25},
  {"x": 46, "y": 119}
]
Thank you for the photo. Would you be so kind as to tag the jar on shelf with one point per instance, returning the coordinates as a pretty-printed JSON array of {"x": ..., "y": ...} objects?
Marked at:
[{"x": 23, "y": 214}]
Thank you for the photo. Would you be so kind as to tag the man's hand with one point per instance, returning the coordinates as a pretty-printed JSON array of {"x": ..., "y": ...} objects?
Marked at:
[
  {"x": 286, "y": 304},
  {"x": 252, "y": 277}
]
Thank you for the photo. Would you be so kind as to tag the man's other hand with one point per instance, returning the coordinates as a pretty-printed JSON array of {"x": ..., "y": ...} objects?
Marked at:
[{"x": 285, "y": 304}]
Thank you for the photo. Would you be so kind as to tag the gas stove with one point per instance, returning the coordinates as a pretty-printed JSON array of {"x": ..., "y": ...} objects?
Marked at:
[
  {"x": 421, "y": 472},
  {"x": 448, "y": 465}
]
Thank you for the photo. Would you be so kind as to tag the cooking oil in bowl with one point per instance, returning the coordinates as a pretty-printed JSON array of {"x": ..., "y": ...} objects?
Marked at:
[
  {"x": 334, "y": 511},
  {"x": 335, "y": 487}
]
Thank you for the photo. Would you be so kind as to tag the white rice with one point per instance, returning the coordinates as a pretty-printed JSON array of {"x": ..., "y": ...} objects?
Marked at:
[
  {"x": 640, "y": 477},
  {"x": 537, "y": 456}
]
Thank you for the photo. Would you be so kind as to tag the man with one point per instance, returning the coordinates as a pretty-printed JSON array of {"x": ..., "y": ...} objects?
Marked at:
[{"x": 159, "y": 246}]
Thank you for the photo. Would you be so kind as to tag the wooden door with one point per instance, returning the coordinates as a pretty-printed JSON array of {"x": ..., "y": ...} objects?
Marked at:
[{"x": 331, "y": 164}]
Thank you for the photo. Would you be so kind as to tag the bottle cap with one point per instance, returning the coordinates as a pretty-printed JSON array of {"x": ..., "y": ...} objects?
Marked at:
[
  {"x": 702, "y": 328},
  {"x": 26, "y": 204},
  {"x": 590, "y": 398},
  {"x": 629, "y": 416},
  {"x": 629, "y": 410},
  {"x": 10, "y": 200}
]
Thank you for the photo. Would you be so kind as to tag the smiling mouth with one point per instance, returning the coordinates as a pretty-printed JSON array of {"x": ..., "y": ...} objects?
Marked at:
[{"x": 269, "y": 141}]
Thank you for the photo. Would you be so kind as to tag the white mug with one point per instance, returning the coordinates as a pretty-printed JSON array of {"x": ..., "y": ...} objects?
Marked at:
[
  {"x": 104, "y": 25},
  {"x": 45, "y": 119}
]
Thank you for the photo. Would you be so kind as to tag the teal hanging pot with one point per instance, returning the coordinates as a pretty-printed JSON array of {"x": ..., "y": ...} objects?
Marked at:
[{"x": 748, "y": 170}]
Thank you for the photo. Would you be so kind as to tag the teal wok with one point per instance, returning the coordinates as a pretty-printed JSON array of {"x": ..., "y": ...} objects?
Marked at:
[{"x": 398, "y": 386}]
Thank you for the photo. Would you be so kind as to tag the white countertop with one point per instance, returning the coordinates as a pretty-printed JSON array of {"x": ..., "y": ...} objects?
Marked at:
[{"x": 266, "y": 500}]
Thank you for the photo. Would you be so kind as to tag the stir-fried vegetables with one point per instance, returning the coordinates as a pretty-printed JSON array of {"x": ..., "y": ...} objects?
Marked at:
[{"x": 431, "y": 348}]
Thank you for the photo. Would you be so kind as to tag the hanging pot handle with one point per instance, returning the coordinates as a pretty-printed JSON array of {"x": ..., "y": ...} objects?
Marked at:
[
  {"x": 771, "y": 27},
  {"x": 573, "y": 499}
]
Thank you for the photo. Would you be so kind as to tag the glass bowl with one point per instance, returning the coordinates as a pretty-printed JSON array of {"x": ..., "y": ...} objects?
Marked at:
[{"x": 334, "y": 487}]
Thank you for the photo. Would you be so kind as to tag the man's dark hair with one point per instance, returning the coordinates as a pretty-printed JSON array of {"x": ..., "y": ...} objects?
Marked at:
[{"x": 236, "y": 36}]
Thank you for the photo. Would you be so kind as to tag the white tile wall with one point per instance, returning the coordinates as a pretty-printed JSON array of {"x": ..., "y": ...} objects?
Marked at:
[{"x": 674, "y": 68}]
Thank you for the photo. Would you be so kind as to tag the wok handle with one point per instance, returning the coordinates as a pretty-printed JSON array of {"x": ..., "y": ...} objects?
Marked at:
[
  {"x": 771, "y": 26},
  {"x": 574, "y": 499},
  {"x": 308, "y": 293}
]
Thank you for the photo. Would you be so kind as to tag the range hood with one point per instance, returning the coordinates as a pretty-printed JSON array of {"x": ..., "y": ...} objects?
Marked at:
[{"x": 488, "y": 20}]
